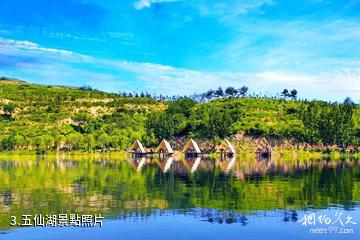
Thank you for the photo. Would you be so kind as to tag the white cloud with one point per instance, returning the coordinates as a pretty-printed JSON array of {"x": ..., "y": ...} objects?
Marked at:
[
  {"x": 228, "y": 10},
  {"x": 27, "y": 48},
  {"x": 299, "y": 45},
  {"x": 334, "y": 85},
  {"x": 71, "y": 68},
  {"x": 147, "y": 3},
  {"x": 9, "y": 44}
]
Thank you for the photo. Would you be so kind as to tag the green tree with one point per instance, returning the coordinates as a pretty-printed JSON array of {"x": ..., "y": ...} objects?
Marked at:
[
  {"x": 218, "y": 123},
  {"x": 40, "y": 144},
  {"x": 230, "y": 92},
  {"x": 9, "y": 109},
  {"x": 74, "y": 141},
  {"x": 19, "y": 141},
  {"x": 348, "y": 101},
  {"x": 219, "y": 92},
  {"x": 285, "y": 93},
  {"x": 161, "y": 124},
  {"x": 59, "y": 139},
  {"x": 329, "y": 123},
  {"x": 182, "y": 106},
  {"x": 91, "y": 126},
  {"x": 149, "y": 138},
  {"x": 81, "y": 118},
  {"x": 7, "y": 142},
  {"x": 48, "y": 141},
  {"x": 293, "y": 94},
  {"x": 104, "y": 141},
  {"x": 242, "y": 91},
  {"x": 209, "y": 94},
  {"x": 89, "y": 141}
]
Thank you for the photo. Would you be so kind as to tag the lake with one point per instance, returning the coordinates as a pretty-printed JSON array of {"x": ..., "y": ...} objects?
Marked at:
[{"x": 151, "y": 198}]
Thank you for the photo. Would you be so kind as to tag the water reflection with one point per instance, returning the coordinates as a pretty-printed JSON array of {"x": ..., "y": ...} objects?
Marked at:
[
  {"x": 137, "y": 163},
  {"x": 217, "y": 190},
  {"x": 192, "y": 164},
  {"x": 225, "y": 164},
  {"x": 236, "y": 166},
  {"x": 164, "y": 163}
]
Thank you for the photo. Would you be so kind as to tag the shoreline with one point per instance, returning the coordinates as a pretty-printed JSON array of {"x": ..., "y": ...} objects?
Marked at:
[{"x": 295, "y": 154}]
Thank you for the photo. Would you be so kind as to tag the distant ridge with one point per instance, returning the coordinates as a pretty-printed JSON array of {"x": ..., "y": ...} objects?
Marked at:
[
  {"x": 7, "y": 79},
  {"x": 18, "y": 81}
]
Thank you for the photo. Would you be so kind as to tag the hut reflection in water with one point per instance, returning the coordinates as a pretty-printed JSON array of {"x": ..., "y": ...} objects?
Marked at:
[
  {"x": 164, "y": 163},
  {"x": 240, "y": 168}
]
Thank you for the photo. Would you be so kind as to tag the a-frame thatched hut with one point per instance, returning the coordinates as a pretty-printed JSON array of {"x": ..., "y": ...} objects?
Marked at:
[
  {"x": 191, "y": 147},
  {"x": 225, "y": 147},
  {"x": 263, "y": 148},
  {"x": 137, "y": 147},
  {"x": 164, "y": 147}
]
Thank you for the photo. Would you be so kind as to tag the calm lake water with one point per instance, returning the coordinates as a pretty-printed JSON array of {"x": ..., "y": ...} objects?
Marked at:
[{"x": 182, "y": 199}]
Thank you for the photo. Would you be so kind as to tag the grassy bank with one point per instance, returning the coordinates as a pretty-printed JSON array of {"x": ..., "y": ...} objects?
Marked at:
[{"x": 46, "y": 119}]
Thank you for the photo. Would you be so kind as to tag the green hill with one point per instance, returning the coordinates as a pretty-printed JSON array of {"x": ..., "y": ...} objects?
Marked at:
[{"x": 43, "y": 118}]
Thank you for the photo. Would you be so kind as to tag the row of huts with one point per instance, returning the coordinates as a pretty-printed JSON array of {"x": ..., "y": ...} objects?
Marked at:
[{"x": 192, "y": 148}]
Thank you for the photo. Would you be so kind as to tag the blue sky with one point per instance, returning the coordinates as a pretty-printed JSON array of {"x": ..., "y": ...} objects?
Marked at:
[{"x": 185, "y": 46}]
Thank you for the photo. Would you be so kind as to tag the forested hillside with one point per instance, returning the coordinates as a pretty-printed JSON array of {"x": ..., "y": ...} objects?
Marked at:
[{"x": 44, "y": 118}]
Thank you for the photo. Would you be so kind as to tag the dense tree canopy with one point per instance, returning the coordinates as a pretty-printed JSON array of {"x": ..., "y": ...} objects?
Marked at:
[{"x": 329, "y": 123}]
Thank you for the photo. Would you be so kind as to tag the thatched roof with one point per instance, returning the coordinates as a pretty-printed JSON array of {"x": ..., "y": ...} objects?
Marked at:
[
  {"x": 165, "y": 147},
  {"x": 263, "y": 146},
  {"x": 225, "y": 146},
  {"x": 263, "y": 143},
  {"x": 191, "y": 146},
  {"x": 137, "y": 147}
]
